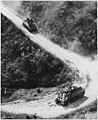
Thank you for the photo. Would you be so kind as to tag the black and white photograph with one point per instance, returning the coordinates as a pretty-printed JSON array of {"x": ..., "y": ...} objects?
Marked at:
[{"x": 49, "y": 59}]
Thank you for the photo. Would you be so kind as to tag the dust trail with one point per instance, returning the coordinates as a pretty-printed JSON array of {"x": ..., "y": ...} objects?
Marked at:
[
  {"x": 14, "y": 5},
  {"x": 73, "y": 60},
  {"x": 16, "y": 8}
]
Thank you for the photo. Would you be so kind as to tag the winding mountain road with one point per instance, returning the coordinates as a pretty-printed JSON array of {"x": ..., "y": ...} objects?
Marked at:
[{"x": 46, "y": 107}]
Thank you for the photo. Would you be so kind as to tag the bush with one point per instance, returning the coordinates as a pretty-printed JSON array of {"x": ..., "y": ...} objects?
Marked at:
[
  {"x": 39, "y": 90},
  {"x": 35, "y": 95}
]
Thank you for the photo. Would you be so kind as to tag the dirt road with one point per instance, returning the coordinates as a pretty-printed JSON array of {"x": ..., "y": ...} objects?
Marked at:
[{"x": 46, "y": 107}]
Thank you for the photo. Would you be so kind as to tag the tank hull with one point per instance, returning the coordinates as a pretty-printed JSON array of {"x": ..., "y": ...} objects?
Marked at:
[
  {"x": 75, "y": 95},
  {"x": 33, "y": 29}
]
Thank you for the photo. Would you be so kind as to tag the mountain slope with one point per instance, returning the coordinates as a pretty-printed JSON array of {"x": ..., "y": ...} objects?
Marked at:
[
  {"x": 23, "y": 60},
  {"x": 66, "y": 56},
  {"x": 71, "y": 24}
]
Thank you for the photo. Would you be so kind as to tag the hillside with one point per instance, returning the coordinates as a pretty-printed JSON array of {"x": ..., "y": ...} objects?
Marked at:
[
  {"x": 69, "y": 24},
  {"x": 26, "y": 65},
  {"x": 72, "y": 25},
  {"x": 28, "y": 71}
]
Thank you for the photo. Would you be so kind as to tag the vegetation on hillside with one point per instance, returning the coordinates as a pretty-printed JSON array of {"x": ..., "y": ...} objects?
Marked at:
[
  {"x": 71, "y": 24},
  {"x": 28, "y": 72},
  {"x": 25, "y": 65}
]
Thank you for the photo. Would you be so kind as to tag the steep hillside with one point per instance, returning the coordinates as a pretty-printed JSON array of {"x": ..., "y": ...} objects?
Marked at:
[
  {"x": 69, "y": 24},
  {"x": 25, "y": 64},
  {"x": 31, "y": 77},
  {"x": 73, "y": 25}
]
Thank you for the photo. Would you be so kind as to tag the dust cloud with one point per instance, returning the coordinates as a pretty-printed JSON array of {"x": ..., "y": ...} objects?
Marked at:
[
  {"x": 16, "y": 8},
  {"x": 86, "y": 66}
]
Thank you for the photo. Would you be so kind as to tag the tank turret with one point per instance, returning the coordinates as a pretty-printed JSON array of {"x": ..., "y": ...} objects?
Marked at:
[{"x": 30, "y": 25}]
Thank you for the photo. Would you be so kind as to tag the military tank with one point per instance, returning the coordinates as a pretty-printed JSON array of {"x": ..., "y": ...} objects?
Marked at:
[
  {"x": 69, "y": 95},
  {"x": 30, "y": 25}
]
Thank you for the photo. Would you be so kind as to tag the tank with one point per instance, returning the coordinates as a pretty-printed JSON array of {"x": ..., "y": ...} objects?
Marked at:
[
  {"x": 69, "y": 95},
  {"x": 30, "y": 25}
]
